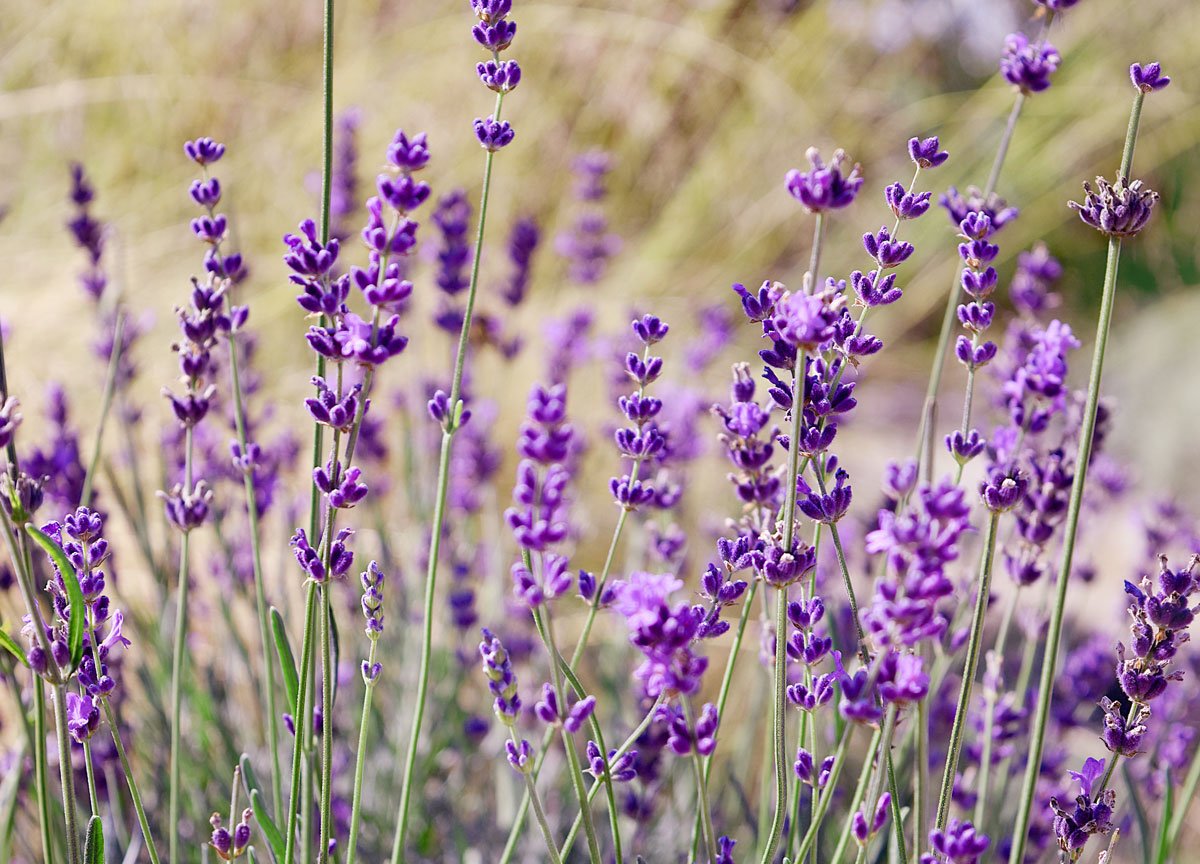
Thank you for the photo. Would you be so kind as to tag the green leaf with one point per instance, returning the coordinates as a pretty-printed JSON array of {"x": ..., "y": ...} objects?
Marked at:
[
  {"x": 74, "y": 594},
  {"x": 249, "y": 778},
  {"x": 93, "y": 847},
  {"x": 287, "y": 660},
  {"x": 267, "y": 825},
  {"x": 250, "y": 853},
  {"x": 12, "y": 647},
  {"x": 335, "y": 647},
  {"x": 1162, "y": 844}
]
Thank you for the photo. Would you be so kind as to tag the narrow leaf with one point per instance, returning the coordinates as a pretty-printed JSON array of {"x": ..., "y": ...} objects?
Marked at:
[
  {"x": 287, "y": 660},
  {"x": 13, "y": 647},
  {"x": 1162, "y": 843},
  {"x": 93, "y": 847},
  {"x": 74, "y": 594},
  {"x": 267, "y": 825}
]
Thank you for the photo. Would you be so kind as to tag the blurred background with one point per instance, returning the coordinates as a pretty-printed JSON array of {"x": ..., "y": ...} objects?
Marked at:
[{"x": 702, "y": 107}]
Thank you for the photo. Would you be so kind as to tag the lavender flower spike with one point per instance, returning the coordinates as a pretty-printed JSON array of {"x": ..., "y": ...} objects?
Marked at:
[
  {"x": 1028, "y": 66},
  {"x": 824, "y": 187}
]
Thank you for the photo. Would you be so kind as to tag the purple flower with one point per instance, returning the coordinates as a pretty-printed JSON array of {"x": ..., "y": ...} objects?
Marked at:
[
  {"x": 204, "y": 151},
  {"x": 1092, "y": 813},
  {"x": 804, "y": 321},
  {"x": 1148, "y": 78},
  {"x": 620, "y": 769},
  {"x": 452, "y": 217},
  {"x": 1119, "y": 209},
  {"x": 824, "y": 187},
  {"x": 493, "y": 134},
  {"x": 905, "y": 204},
  {"x": 520, "y": 756},
  {"x": 959, "y": 843},
  {"x": 502, "y": 681},
  {"x": 83, "y": 717},
  {"x": 1028, "y": 66},
  {"x": 522, "y": 242},
  {"x": 886, "y": 251},
  {"x": 502, "y": 77},
  {"x": 926, "y": 153}
]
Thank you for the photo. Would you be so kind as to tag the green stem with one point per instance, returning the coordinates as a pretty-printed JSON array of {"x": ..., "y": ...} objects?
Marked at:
[
  {"x": 863, "y": 653},
  {"x": 178, "y": 662},
  {"x": 361, "y": 759},
  {"x": 538, "y": 812},
  {"x": 41, "y": 773},
  {"x": 1054, "y": 635},
  {"x": 127, "y": 769},
  {"x": 839, "y": 761},
  {"x": 860, "y": 790},
  {"x": 595, "y": 787},
  {"x": 789, "y": 527},
  {"x": 876, "y": 787},
  {"x": 439, "y": 515},
  {"x": 974, "y": 647},
  {"x": 710, "y": 836},
  {"x": 301, "y": 719},
  {"x": 110, "y": 386},
  {"x": 260, "y": 597},
  {"x": 327, "y": 685},
  {"x": 58, "y": 702},
  {"x": 89, "y": 771}
]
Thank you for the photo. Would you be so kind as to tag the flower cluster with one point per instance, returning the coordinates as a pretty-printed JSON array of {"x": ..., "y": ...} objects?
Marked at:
[
  {"x": 1027, "y": 65},
  {"x": 494, "y": 33},
  {"x": 642, "y": 440}
]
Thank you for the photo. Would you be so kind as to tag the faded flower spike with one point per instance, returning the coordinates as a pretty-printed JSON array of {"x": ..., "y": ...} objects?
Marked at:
[
  {"x": 1119, "y": 209},
  {"x": 1148, "y": 77}
]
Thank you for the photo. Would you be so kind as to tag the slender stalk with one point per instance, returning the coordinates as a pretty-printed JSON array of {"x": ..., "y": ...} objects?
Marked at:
[
  {"x": 839, "y": 761},
  {"x": 361, "y": 759},
  {"x": 595, "y": 787},
  {"x": 876, "y": 787},
  {"x": 89, "y": 771},
  {"x": 327, "y": 685},
  {"x": 58, "y": 702},
  {"x": 863, "y": 653},
  {"x": 789, "y": 527},
  {"x": 921, "y": 778},
  {"x": 1191, "y": 781},
  {"x": 860, "y": 790},
  {"x": 260, "y": 597},
  {"x": 1082, "y": 458},
  {"x": 126, "y": 769},
  {"x": 435, "y": 536},
  {"x": 538, "y": 812},
  {"x": 974, "y": 647},
  {"x": 710, "y": 837},
  {"x": 897, "y": 814},
  {"x": 178, "y": 661},
  {"x": 110, "y": 387},
  {"x": 40, "y": 772},
  {"x": 302, "y": 719}
]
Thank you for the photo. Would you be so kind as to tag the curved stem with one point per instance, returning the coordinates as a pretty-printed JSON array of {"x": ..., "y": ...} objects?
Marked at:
[{"x": 974, "y": 647}]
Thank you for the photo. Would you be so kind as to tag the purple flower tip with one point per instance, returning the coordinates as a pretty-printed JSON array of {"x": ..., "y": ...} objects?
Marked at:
[{"x": 1149, "y": 77}]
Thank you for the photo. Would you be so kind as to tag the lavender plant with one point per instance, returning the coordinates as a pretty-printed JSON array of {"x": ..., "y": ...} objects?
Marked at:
[{"x": 894, "y": 654}]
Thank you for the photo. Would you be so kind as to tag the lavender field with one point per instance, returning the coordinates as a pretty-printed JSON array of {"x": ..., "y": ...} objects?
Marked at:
[{"x": 499, "y": 431}]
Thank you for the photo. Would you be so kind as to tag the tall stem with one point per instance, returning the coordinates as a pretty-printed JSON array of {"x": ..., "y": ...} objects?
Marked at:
[
  {"x": 710, "y": 836},
  {"x": 839, "y": 761},
  {"x": 41, "y": 774},
  {"x": 327, "y": 686},
  {"x": 439, "y": 516},
  {"x": 361, "y": 759},
  {"x": 301, "y": 720},
  {"x": 127, "y": 769},
  {"x": 260, "y": 597},
  {"x": 1083, "y": 456},
  {"x": 66, "y": 773},
  {"x": 178, "y": 661},
  {"x": 974, "y": 647}
]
